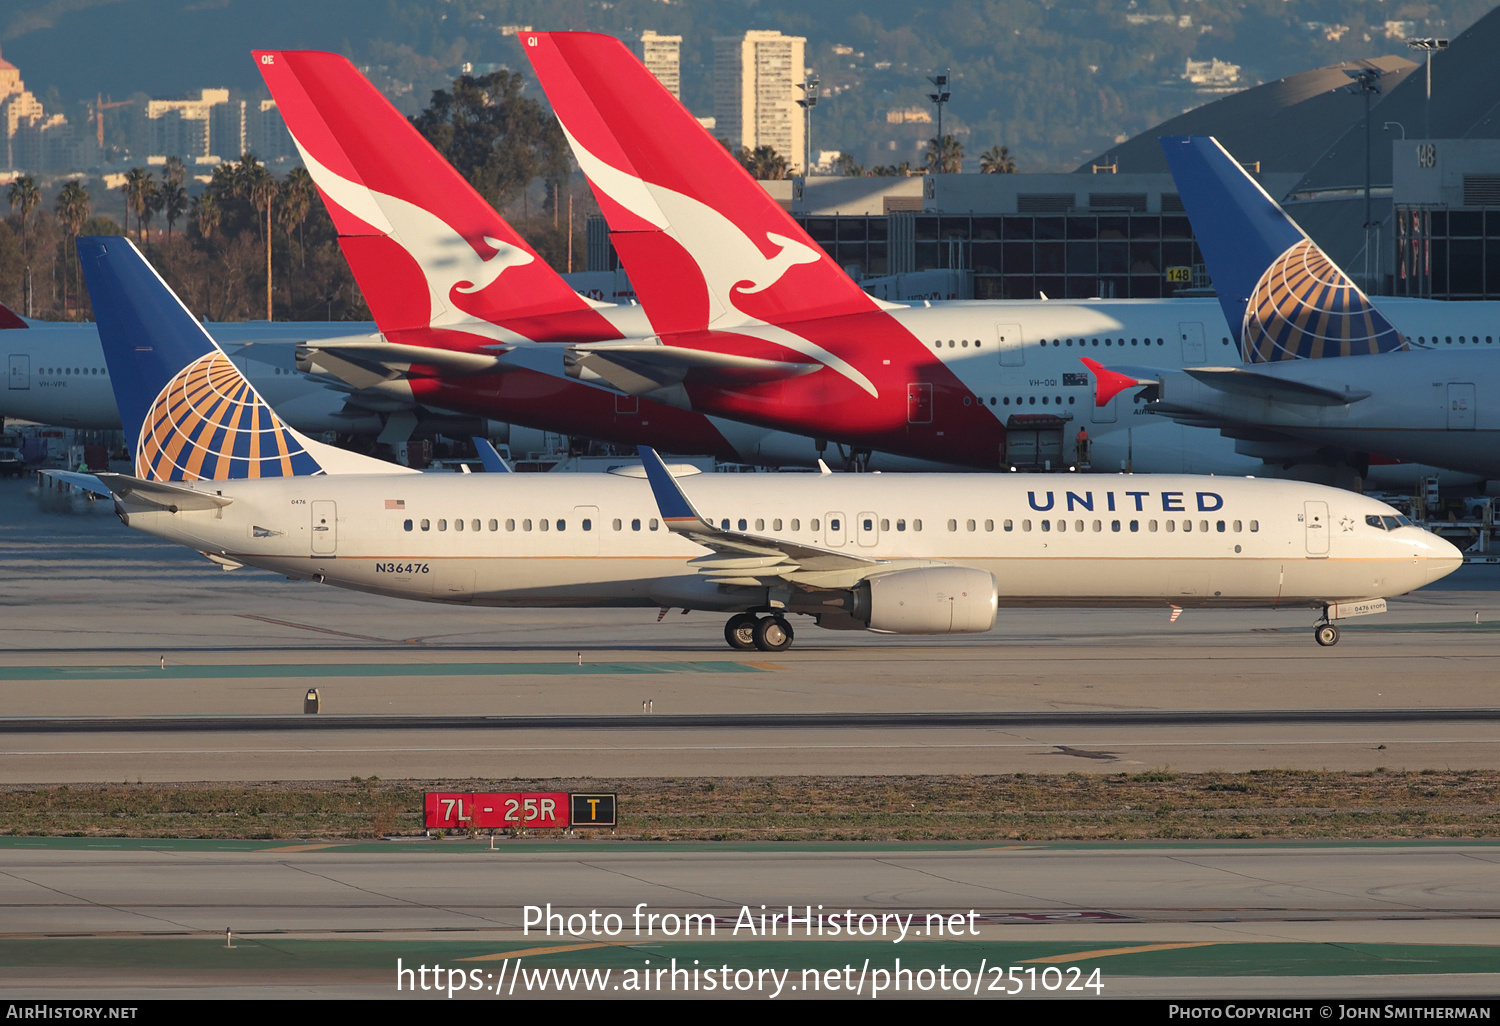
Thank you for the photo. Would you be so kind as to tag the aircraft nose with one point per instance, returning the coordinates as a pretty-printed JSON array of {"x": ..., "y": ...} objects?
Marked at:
[{"x": 1440, "y": 557}]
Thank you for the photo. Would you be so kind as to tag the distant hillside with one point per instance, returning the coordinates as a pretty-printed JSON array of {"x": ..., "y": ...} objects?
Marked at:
[{"x": 1055, "y": 82}]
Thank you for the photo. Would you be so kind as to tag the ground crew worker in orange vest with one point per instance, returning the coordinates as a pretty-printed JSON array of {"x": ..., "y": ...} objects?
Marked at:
[{"x": 1082, "y": 442}]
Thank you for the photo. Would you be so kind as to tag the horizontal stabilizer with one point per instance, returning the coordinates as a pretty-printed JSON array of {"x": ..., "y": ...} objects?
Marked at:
[
  {"x": 79, "y": 480},
  {"x": 1240, "y": 381},
  {"x": 638, "y": 368},
  {"x": 173, "y": 498},
  {"x": 398, "y": 356}
]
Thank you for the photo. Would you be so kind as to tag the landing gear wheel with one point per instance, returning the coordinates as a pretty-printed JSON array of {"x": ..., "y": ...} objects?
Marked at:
[
  {"x": 773, "y": 634},
  {"x": 1326, "y": 634},
  {"x": 740, "y": 632}
]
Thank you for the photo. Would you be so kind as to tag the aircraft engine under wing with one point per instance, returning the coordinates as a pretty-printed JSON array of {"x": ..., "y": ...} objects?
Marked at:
[{"x": 640, "y": 368}]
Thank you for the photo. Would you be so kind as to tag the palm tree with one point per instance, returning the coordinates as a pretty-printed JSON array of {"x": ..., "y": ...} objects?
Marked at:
[
  {"x": 764, "y": 163},
  {"x": 945, "y": 156},
  {"x": 135, "y": 196},
  {"x": 847, "y": 166},
  {"x": 24, "y": 196},
  {"x": 73, "y": 211},
  {"x": 207, "y": 214},
  {"x": 152, "y": 200},
  {"x": 174, "y": 201},
  {"x": 997, "y": 161},
  {"x": 296, "y": 200},
  {"x": 262, "y": 197},
  {"x": 175, "y": 171}
]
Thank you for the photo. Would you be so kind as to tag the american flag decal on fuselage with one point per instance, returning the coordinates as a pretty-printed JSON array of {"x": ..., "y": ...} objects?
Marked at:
[{"x": 208, "y": 423}]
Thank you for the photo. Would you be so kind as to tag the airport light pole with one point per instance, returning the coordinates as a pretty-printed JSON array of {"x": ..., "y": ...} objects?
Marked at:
[
  {"x": 1429, "y": 46},
  {"x": 1365, "y": 83},
  {"x": 809, "y": 100},
  {"x": 940, "y": 97}
]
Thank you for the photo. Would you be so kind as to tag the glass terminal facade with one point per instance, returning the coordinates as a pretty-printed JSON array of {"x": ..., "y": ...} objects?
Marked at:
[{"x": 1017, "y": 256}]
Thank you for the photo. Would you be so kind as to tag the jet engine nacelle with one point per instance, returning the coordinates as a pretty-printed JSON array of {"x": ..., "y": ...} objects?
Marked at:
[{"x": 928, "y": 600}]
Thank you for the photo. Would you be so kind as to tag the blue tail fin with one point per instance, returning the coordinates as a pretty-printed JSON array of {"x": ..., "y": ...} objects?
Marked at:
[
  {"x": 190, "y": 412},
  {"x": 1280, "y": 291}
]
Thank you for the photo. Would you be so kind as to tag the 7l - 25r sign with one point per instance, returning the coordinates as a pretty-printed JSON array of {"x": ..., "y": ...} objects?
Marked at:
[{"x": 457, "y": 810}]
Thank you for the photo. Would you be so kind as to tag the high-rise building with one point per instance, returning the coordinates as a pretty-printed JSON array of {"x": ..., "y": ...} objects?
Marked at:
[
  {"x": 756, "y": 80},
  {"x": 19, "y": 111},
  {"x": 182, "y": 128},
  {"x": 662, "y": 56}
]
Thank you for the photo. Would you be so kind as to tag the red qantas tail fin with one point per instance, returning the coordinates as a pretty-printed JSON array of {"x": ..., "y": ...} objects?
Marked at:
[
  {"x": 704, "y": 244},
  {"x": 427, "y": 249}
]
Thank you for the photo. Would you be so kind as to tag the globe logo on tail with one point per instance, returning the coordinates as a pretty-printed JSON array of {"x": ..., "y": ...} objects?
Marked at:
[
  {"x": 1304, "y": 307},
  {"x": 209, "y": 424}
]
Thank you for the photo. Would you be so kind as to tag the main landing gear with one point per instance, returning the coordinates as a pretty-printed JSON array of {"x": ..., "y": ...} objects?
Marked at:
[{"x": 745, "y": 631}]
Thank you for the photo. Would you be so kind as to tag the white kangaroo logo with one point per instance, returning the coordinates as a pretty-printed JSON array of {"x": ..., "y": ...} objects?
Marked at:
[
  {"x": 448, "y": 261},
  {"x": 732, "y": 264}
]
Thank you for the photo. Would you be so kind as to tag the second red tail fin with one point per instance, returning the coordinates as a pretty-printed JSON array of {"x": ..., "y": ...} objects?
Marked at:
[{"x": 704, "y": 244}]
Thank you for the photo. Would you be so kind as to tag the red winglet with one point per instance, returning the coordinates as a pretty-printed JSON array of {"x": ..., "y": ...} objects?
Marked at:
[
  {"x": 10, "y": 319},
  {"x": 1108, "y": 383}
]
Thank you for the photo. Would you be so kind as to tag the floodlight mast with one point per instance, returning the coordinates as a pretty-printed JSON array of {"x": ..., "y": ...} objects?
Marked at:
[
  {"x": 1365, "y": 83},
  {"x": 809, "y": 87},
  {"x": 1428, "y": 45},
  {"x": 940, "y": 97}
]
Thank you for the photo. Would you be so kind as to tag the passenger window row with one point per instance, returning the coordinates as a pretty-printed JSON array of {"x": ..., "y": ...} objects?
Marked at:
[
  {"x": 1079, "y": 526},
  {"x": 1118, "y": 341},
  {"x": 1462, "y": 339},
  {"x": 543, "y": 524}
]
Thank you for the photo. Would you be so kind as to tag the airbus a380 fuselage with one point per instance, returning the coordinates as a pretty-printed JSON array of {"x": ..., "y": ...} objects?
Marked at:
[{"x": 599, "y": 540}]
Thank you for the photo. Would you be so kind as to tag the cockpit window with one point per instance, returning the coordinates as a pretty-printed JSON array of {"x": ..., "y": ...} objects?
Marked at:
[
  {"x": 1391, "y": 523},
  {"x": 1405, "y": 522},
  {"x": 1374, "y": 521}
]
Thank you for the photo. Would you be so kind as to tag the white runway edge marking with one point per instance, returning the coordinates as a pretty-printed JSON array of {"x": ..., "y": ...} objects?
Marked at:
[{"x": 752, "y": 748}]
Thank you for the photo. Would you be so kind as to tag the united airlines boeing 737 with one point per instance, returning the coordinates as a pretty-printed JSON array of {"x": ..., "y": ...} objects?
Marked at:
[{"x": 217, "y": 470}]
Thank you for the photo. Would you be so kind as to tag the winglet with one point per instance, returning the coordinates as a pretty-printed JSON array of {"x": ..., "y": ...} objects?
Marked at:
[
  {"x": 489, "y": 457},
  {"x": 1108, "y": 383},
  {"x": 10, "y": 319},
  {"x": 676, "y": 509}
]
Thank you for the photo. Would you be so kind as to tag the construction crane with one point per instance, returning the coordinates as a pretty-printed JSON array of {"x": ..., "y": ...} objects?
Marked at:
[{"x": 97, "y": 114}]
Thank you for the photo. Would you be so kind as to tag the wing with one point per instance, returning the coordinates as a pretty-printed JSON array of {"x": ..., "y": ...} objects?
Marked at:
[{"x": 752, "y": 559}]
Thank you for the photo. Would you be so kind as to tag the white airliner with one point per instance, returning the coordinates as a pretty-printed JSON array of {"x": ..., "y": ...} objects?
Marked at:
[{"x": 215, "y": 469}]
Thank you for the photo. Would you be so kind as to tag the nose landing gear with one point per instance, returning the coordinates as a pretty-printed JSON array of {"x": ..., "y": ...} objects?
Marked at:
[
  {"x": 1326, "y": 634},
  {"x": 746, "y": 631}
]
